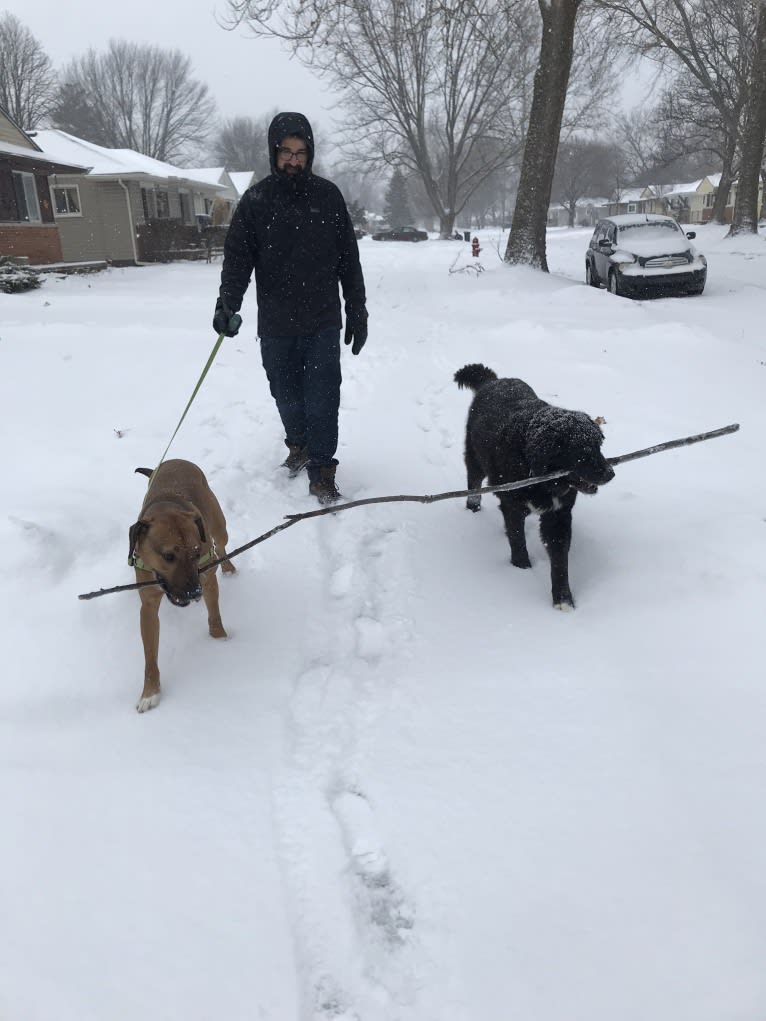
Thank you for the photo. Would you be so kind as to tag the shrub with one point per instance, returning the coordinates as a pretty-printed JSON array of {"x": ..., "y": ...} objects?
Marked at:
[{"x": 18, "y": 278}]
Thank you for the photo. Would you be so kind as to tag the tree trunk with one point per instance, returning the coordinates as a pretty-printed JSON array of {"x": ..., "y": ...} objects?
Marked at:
[
  {"x": 446, "y": 224},
  {"x": 526, "y": 243},
  {"x": 727, "y": 179},
  {"x": 745, "y": 219}
]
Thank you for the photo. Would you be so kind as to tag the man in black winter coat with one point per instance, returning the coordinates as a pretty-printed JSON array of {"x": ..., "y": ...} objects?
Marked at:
[{"x": 293, "y": 231}]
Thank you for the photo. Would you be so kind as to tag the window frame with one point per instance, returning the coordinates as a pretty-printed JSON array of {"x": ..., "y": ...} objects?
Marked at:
[
  {"x": 65, "y": 188},
  {"x": 28, "y": 184},
  {"x": 162, "y": 203}
]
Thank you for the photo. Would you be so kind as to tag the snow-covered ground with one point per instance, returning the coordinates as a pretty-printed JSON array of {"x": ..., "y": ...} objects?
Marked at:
[{"x": 406, "y": 788}]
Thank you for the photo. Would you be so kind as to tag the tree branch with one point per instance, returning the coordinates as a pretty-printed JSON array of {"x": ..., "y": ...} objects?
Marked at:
[{"x": 293, "y": 519}]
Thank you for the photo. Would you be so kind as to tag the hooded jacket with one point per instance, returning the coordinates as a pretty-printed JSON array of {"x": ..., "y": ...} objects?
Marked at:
[{"x": 294, "y": 233}]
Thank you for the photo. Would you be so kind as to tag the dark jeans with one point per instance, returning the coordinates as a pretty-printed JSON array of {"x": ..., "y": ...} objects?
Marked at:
[{"x": 304, "y": 378}]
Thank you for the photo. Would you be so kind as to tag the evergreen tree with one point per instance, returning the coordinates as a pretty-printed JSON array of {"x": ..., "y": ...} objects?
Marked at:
[
  {"x": 397, "y": 204},
  {"x": 358, "y": 214}
]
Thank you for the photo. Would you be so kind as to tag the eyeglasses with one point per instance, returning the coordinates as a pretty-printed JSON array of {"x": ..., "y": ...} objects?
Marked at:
[{"x": 288, "y": 154}]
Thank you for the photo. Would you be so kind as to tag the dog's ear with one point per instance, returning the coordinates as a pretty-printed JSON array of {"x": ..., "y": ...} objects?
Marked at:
[
  {"x": 200, "y": 527},
  {"x": 136, "y": 532}
]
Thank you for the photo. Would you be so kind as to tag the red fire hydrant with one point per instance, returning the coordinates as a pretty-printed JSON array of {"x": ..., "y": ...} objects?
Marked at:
[{"x": 475, "y": 247}]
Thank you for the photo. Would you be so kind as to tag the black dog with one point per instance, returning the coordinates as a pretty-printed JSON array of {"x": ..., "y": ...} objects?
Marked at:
[{"x": 512, "y": 434}]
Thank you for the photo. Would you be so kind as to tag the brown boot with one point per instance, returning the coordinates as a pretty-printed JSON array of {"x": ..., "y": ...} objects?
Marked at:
[
  {"x": 324, "y": 488},
  {"x": 295, "y": 461}
]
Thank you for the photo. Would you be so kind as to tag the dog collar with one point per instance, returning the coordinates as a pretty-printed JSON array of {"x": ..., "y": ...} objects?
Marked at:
[{"x": 137, "y": 562}]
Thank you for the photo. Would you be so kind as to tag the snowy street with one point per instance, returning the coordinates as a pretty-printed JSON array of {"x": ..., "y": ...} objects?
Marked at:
[{"x": 405, "y": 788}]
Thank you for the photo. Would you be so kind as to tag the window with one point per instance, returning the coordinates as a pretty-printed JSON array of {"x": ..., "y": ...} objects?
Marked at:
[
  {"x": 66, "y": 201},
  {"x": 163, "y": 205},
  {"x": 26, "y": 197},
  {"x": 147, "y": 201},
  {"x": 632, "y": 207},
  {"x": 186, "y": 215}
]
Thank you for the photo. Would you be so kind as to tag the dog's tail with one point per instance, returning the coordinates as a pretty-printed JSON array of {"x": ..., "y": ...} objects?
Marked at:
[
  {"x": 474, "y": 376},
  {"x": 145, "y": 471}
]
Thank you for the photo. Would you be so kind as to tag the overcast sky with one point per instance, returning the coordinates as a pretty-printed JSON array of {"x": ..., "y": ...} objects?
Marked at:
[{"x": 246, "y": 76}]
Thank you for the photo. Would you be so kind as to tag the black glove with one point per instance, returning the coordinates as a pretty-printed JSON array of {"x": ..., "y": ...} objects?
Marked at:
[
  {"x": 224, "y": 321},
  {"x": 356, "y": 331}
]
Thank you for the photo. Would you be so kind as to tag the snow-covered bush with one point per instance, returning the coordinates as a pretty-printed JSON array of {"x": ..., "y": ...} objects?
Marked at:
[{"x": 18, "y": 278}]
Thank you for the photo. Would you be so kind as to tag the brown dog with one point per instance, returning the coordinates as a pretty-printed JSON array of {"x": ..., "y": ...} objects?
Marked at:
[{"x": 181, "y": 526}]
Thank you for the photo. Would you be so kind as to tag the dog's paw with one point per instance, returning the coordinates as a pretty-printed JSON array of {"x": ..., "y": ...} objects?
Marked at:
[
  {"x": 146, "y": 703},
  {"x": 523, "y": 562},
  {"x": 217, "y": 631},
  {"x": 473, "y": 503},
  {"x": 565, "y": 607}
]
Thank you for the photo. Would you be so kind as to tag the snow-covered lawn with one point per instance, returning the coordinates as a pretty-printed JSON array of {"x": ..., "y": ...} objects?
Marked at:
[{"x": 406, "y": 789}]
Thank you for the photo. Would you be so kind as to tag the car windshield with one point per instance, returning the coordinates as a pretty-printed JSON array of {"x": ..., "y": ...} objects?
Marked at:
[{"x": 654, "y": 230}]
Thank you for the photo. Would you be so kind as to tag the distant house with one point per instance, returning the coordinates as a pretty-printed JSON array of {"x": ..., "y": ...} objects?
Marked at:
[
  {"x": 27, "y": 223},
  {"x": 587, "y": 212},
  {"x": 715, "y": 180},
  {"x": 642, "y": 199},
  {"x": 129, "y": 208},
  {"x": 243, "y": 179},
  {"x": 225, "y": 202},
  {"x": 689, "y": 202}
]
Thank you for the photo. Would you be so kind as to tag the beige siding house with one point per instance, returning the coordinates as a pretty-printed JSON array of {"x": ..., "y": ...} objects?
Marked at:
[
  {"x": 28, "y": 226},
  {"x": 226, "y": 200},
  {"x": 129, "y": 208},
  {"x": 242, "y": 180},
  {"x": 689, "y": 202},
  {"x": 635, "y": 200}
]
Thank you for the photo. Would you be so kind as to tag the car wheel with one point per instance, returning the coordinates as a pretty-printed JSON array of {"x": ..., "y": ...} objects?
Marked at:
[
  {"x": 590, "y": 277},
  {"x": 615, "y": 287}
]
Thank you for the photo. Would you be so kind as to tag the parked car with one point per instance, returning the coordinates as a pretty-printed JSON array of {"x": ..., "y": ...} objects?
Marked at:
[
  {"x": 639, "y": 253},
  {"x": 401, "y": 234},
  {"x": 359, "y": 233}
]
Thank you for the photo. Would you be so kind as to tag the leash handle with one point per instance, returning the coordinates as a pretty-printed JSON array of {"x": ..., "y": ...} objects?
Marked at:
[{"x": 210, "y": 361}]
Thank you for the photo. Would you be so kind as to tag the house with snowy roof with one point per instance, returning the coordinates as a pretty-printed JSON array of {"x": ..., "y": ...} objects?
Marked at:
[
  {"x": 128, "y": 208},
  {"x": 642, "y": 199},
  {"x": 28, "y": 226},
  {"x": 224, "y": 203},
  {"x": 689, "y": 202},
  {"x": 243, "y": 179},
  {"x": 587, "y": 211}
]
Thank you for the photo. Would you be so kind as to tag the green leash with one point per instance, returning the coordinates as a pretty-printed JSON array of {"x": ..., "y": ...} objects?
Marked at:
[{"x": 210, "y": 361}]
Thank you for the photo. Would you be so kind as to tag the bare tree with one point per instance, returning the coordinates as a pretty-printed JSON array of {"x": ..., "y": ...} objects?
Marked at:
[
  {"x": 712, "y": 42},
  {"x": 526, "y": 241},
  {"x": 135, "y": 96},
  {"x": 680, "y": 137},
  {"x": 583, "y": 168},
  {"x": 438, "y": 87},
  {"x": 242, "y": 144},
  {"x": 745, "y": 219},
  {"x": 639, "y": 138},
  {"x": 27, "y": 80}
]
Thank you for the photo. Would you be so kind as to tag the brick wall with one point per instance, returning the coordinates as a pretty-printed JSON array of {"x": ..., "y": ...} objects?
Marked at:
[{"x": 41, "y": 244}]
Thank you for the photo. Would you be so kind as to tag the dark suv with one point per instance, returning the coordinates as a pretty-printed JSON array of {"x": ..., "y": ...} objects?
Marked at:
[
  {"x": 639, "y": 253},
  {"x": 401, "y": 234}
]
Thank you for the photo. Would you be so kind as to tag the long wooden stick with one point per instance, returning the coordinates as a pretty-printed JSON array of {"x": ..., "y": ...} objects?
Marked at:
[{"x": 293, "y": 519}]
